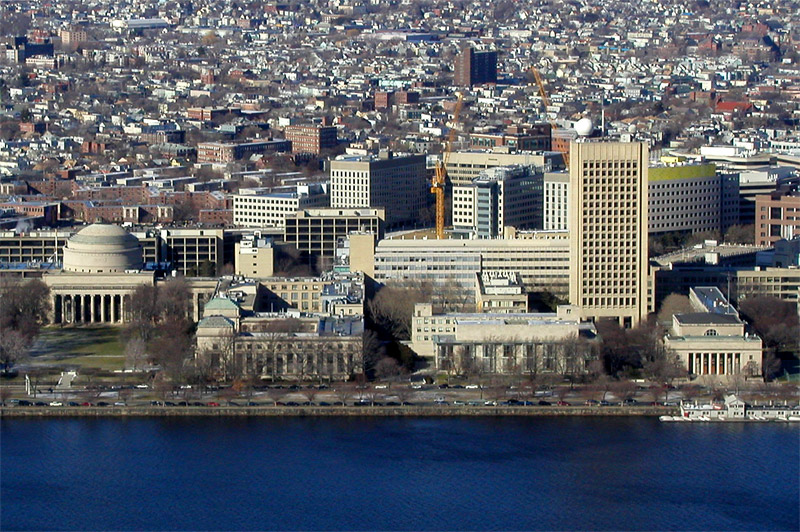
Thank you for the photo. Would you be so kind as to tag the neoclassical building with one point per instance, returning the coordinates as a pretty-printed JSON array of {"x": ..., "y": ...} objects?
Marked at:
[{"x": 102, "y": 268}]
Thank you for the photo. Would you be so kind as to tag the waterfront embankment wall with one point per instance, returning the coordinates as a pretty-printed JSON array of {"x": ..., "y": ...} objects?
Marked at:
[{"x": 381, "y": 411}]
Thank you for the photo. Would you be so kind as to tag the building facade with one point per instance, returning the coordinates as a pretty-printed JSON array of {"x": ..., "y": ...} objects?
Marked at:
[
  {"x": 777, "y": 217},
  {"x": 271, "y": 209},
  {"x": 608, "y": 230},
  {"x": 464, "y": 166},
  {"x": 311, "y": 139},
  {"x": 522, "y": 344},
  {"x": 499, "y": 197},
  {"x": 541, "y": 261},
  {"x": 318, "y": 231},
  {"x": 713, "y": 342},
  {"x": 398, "y": 184},
  {"x": 691, "y": 198},
  {"x": 555, "y": 203},
  {"x": 475, "y": 68}
]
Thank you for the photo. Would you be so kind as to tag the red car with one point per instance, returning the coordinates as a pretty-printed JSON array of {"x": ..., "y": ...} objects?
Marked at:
[
  {"x": 563, "y": 403},
  {"x": 86, "y": 404},
  {"x": 212, "y": 403}
]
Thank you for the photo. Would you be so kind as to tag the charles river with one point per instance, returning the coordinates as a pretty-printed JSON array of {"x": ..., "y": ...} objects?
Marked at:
[{"x": 397, "y": 474}]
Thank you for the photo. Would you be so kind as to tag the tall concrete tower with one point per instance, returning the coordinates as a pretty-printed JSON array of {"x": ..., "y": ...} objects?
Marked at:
[{"x": 608, "y": 230}]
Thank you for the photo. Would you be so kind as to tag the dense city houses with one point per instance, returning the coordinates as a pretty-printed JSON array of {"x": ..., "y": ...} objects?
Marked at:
[{"x": 292, "y": 166}]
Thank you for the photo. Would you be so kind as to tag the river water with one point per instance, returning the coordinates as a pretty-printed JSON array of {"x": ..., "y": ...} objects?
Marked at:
[{"x": 396, "y": 474}]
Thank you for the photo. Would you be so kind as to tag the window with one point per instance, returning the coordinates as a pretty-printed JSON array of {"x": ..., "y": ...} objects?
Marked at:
[{"x": 711, "y": 332}]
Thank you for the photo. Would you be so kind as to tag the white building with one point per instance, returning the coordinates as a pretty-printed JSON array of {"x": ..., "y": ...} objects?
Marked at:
[
  {"x": 270, "y": 209},
  {"x": 556, "y": 201}
]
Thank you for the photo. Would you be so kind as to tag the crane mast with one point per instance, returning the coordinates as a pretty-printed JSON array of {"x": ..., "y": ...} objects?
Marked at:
[
  {"x": 546, "y": 102},
  {"x": 440, "y": 173}
]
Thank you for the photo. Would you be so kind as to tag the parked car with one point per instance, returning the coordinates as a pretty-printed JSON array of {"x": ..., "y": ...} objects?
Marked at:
[
  {"x": 56, "y": 403},
  {"x": 544, "y": 403},
  {"x": 563, "y": 403},
  {"x": 591, "y": 402},
  {"x": 212, "y": 403}
]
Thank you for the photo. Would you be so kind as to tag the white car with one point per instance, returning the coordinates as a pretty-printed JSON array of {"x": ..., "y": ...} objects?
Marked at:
[
  {"x": 142, "y": 386},
  {"x": 56, "y": 403},
  {"x": 471, "y": 386},
  {"x": 381, "y": 386}
]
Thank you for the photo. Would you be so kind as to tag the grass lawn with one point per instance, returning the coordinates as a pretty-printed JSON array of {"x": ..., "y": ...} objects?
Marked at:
[{"x": 83, "y": 347}]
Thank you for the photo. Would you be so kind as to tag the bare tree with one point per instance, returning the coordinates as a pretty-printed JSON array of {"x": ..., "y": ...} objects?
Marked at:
[
  {"x": 673, "y": 304},
  {"x": 135, "y": 353},
  {"x": 343, "y": 392},
  {"x": 387, "y": 368},
  {"x": 14, "y": 347}
]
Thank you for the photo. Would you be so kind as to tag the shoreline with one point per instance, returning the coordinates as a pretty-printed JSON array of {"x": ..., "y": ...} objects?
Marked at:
[{"x": 333, "y": 411}]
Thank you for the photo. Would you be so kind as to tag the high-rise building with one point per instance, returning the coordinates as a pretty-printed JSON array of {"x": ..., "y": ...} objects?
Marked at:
[
  {"x": 608, "y": 230},
  {"x": 399, "y": 184},
  {"x": 475, "y": 68}
]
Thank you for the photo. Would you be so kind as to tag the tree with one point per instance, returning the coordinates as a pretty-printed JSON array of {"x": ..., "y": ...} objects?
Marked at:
[
  {"x": 173, "y": 348},
  {"x": 135, "y": 353},
  {"x": 372, "y": 351},
  {"x": 673, "y": 304},
  {"x": 392, "y": 307},
  {"x": 774, "y": 320},
  {"x": 387, "y": 368},
  {"x": 14, "y": 348},
  {"x": 23, "y": 306},
  {"x": 740, "y": 234}
]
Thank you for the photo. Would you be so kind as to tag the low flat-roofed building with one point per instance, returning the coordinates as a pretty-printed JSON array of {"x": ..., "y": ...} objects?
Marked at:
[
  {"x": 522, "y": 344},
  {"x": 270, "y": 209},
  {"x": 713, "y": 341},
  {"x": 272, "y": 345},
  {"x": 541, "y": 259}
]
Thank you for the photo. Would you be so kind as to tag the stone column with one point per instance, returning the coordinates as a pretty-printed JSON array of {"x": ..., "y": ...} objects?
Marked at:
[
  {"x": 103, "y": 309},
  {"x": 113, "y": 314}
]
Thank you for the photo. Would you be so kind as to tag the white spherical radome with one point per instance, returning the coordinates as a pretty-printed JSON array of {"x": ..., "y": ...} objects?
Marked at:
[{"x": 584, "y": 127}]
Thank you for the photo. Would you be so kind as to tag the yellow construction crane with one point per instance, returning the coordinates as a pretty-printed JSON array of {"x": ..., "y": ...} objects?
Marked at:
[
  {"x": 440, "y": 173},
  {"x": 546, "y": 102}
]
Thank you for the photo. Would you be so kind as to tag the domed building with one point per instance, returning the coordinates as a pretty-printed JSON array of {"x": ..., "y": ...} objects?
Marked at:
[
  {"x": 102, "y": 268},
  {"x": 102, "y": 248}
]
